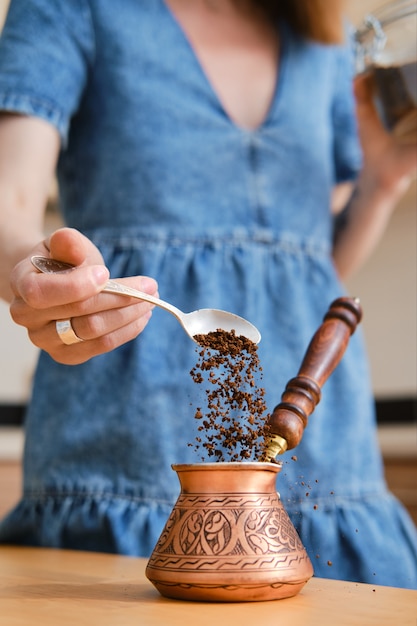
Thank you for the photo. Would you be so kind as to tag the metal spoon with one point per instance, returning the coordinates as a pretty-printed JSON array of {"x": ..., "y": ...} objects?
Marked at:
[{"x": 200, "y": 322}]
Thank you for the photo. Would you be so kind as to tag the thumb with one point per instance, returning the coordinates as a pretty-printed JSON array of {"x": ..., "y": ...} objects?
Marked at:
[
  {"x": 367, "y": 114},
  {"x": 71, "y": 246}
]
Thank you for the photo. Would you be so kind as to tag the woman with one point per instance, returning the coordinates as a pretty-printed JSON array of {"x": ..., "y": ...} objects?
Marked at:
[{"x": 203, "y": 144}]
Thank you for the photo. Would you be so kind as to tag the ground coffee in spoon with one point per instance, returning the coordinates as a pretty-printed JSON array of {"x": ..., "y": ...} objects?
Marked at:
[{"x": 233, "y": 423}]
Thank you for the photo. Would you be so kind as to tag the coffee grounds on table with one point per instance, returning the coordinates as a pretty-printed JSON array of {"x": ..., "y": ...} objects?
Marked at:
[{"x": 233, "y": 425}]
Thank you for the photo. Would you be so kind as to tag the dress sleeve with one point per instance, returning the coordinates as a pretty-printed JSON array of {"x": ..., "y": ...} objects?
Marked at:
[
  {"x": 46, "y": 50},
  {"x": 347, "y": 150}
]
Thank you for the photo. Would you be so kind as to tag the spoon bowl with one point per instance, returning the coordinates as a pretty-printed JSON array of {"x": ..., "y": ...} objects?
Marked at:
[
  {"x": 200, "y": 322},
  {"x": 204, "y": 321}
]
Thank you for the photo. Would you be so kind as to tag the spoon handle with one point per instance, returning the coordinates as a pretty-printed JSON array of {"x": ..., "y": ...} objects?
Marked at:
[
  {"x": 113, "y": 286},
  {"x": 303, "y": 393}
]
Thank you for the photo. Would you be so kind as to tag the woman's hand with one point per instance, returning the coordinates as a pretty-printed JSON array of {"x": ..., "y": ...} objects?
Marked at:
[
  {"x": 389, "y": 166},
  {"x": 103, "y": 321},
  {"x": 389, "y": 163}
]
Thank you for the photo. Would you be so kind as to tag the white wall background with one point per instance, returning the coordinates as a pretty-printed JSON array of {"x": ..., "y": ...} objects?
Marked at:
[{"x": 386, "y": 285}]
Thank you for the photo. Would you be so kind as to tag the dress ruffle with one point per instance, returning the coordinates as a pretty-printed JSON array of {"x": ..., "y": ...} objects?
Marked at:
[
  {"x": 106, "y": 522},
  {"x": 99, "y": 522},
  {"x": 381, "y": 527}
]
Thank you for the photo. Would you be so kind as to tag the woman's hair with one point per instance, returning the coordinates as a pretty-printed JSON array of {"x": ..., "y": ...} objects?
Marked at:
[{"x": 320, "y": 20}]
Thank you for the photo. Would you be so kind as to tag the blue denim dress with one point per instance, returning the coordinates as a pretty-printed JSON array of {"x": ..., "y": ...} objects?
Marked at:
[{"x": 154, "y": 171}]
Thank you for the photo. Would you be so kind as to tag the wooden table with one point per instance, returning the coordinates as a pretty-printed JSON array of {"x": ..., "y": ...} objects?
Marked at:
[{"x": 60, "y": 587}]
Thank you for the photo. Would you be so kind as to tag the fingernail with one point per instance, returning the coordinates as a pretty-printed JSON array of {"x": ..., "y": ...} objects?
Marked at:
[
  {"x": 101, "y": 274},
  {"x": 149, "y": 285}
]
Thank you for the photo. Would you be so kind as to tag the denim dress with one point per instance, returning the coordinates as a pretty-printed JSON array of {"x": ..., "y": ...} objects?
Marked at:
[{"x": 155, "y": 172}]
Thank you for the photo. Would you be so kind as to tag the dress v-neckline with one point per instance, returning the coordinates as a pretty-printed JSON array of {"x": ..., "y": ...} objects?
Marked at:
[{"x": 279, "y": 79}]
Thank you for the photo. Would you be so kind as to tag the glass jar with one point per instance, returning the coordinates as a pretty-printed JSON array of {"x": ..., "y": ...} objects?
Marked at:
[{"x": 386, "y": 49}]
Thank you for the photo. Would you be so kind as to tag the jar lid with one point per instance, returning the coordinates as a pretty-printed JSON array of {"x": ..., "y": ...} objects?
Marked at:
[
  {"x": 387, "y": 14},
  {"x": 386, "y": 35}
]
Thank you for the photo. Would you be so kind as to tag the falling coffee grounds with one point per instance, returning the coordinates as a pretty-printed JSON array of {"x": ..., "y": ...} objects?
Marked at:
[{"x": 234, "y": 425}]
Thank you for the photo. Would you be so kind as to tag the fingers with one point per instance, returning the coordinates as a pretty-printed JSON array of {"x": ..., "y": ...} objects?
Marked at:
[
  {"x": 363, "y": 88},
  {"x": 107, "y": 319},
  {"x": 43, "y": 291},
  {"x": 100, "y": 335},
  {"x": 370, "y": 124},
  {"x": 103, "y": 321},
  {"x": 45, "y": 297},
  {"x": 390, "y": 164}
]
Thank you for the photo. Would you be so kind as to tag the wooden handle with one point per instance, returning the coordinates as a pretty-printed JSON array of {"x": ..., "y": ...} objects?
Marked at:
[{"x": 303, "y": 393}]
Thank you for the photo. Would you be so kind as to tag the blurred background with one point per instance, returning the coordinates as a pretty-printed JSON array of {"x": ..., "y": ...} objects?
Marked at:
[{"x": 387, "y": 288}]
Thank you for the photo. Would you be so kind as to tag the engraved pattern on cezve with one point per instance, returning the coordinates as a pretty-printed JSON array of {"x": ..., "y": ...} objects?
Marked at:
[{"x": 229, "y": 532}]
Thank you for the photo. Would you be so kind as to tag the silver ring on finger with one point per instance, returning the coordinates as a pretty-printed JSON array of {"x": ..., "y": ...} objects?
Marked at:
[{"x": 66, "y": 332}]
